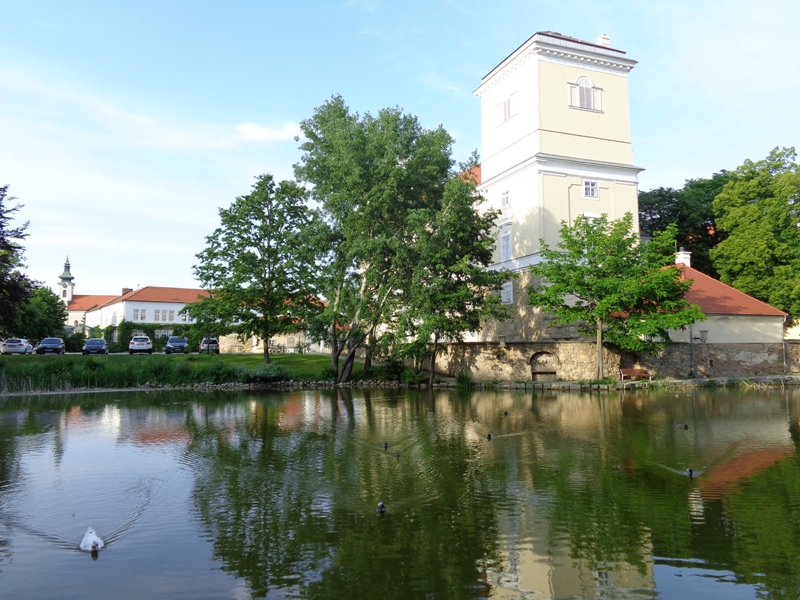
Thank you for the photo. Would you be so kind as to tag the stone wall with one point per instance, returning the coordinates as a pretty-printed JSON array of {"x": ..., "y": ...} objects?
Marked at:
[{"x": 575, "y": 360}]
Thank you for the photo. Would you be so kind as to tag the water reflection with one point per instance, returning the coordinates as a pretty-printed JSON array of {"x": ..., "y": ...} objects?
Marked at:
[{"x": 572, "y": 496}]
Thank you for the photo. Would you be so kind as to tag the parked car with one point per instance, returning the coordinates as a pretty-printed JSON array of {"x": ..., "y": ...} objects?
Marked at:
[
  {"x": 140, "y": 343},
  {"x": 209, "y": 345},
  {"x": 176, "y": 344},
  {"x": 95, "y": 346},
  {"x": 15, "y": 346},
  {"x": 51, "y": 346}
]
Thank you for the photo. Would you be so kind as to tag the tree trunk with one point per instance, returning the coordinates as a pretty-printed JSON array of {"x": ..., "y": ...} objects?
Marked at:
[
  {"x": 433, "y": 361},
  {"x": 347, "y": 367},
  {"x": 599, "y": 370},
  {"x": 334, "y": 352},
  {"x": 266, "y": 352}
]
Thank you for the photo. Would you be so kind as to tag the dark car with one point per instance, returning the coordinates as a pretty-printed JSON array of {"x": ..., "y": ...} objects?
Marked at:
[
  {"x": 95, "y": 346},
  {"x": 209, "y": 345},
  {"x": 176, "y": 344},
  {"x": 51, "y": 346}
]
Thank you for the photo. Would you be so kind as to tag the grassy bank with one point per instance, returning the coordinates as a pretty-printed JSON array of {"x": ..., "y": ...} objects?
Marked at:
[{"x": 61, "y": 373}]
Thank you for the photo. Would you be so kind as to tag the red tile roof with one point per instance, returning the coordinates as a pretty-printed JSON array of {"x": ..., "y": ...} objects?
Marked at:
[
  {"x": 87, "y": 301},
  {"x": 717, "y": 298},
  {"x": 153, "y": 293}
]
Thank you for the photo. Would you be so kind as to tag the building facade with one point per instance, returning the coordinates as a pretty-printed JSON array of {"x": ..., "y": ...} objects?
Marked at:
[{"x": 555, "y": 144}]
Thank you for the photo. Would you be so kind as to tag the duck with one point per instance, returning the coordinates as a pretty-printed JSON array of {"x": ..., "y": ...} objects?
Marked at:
[
  {"x": 489, "y": 436},
  {"x": 385, "y": 445},
  {"x": 506, "y": 413},
  {"x": 689, "y": 473},
  {"x": 397, "y": 455},
  {"x": 681, "y": 426},
  {"x": 91, "y": 542},
  {"x": 381, "y": 508}
]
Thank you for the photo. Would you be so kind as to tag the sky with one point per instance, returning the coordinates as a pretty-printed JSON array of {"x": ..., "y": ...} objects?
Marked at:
[{"x": 125, "y": 126}]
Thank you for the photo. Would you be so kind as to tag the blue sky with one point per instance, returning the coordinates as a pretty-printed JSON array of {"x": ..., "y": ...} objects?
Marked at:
[{"x": 125, "y": 126}]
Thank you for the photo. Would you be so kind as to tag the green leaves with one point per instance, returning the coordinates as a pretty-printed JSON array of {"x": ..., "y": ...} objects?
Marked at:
[
  {"x": 259, "y": 265},
  {"x": 612, "y": 286},
  {"x": 758, "y": 212}
]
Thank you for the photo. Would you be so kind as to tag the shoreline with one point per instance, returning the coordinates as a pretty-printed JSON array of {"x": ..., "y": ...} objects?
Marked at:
[{"x": 764, "y": 381}]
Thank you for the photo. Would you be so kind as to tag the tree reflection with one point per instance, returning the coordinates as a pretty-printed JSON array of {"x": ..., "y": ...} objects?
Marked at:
[{"x": 288, "y": 491}]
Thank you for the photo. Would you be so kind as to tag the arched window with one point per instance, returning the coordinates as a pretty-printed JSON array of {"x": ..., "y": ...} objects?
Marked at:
[{"x": 585, "y": 93}]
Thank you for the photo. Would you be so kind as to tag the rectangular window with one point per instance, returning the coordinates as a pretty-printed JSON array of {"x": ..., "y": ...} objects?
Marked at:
[
  {"x": 143, "y": 315},
  {"x": 505, "y": 201},
  {"x": 135, "y": 314},
  {"x": 505, "y": 246},
  {"x": 171, "y": 316},
  {"x": 156, "y": 315},
  {"x": 507, "y": 292},
  {"x": 183, "y": 316},
  {"x": 590, "y": 189}
]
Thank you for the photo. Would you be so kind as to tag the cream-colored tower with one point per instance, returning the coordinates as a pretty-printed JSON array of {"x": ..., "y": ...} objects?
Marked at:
[{"x": 556, "y": 143}]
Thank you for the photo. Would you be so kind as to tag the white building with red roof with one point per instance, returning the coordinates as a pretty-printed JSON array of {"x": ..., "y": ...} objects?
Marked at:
[
  {"x": 150, "y": 304},
  {"x": 732, "y": 317}
]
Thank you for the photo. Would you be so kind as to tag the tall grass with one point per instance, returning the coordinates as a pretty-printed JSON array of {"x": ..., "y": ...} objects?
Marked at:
[{"x": 62, "y": 373}]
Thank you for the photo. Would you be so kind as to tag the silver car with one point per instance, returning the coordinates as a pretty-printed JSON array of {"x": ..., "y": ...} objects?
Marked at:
[{"x": 16, "y": 346}]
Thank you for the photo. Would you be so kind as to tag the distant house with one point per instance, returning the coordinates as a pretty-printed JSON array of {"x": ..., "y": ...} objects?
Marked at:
[
  {"x": 732, "y": 317},
  {"x": 150, "y": 304}
]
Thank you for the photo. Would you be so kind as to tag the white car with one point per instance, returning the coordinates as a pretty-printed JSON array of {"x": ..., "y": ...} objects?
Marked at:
[
  {"x": 140, "y": 343},
  {"x": 16, "y": 346}
]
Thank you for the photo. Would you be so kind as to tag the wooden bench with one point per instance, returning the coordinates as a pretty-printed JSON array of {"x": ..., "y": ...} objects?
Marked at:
[{"x": 634, "y": 374}]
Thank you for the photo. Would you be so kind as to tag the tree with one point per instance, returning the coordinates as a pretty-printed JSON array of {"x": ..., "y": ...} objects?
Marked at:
[
  {"x": 451, "y": 290},
  {"x": 42, "y": 315},
  {"x": 258, "y": 265},
  {"x": 613, "y": 286},
  {"x": 368, "y": 172},
  {"x": 691, "y": 210},
  {"x": 15, "y": 287},
  {"x": 759, "y": 212}
]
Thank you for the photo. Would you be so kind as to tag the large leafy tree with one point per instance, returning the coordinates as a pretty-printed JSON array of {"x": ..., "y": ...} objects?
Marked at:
[
  {"x": 451, "y": 291},
  {"x": 759, "y": 213},
  {"x": 43, "y": 314},
  {"x": 691, "y": 210},
  {"x": 257, "y": 264},
  {"x": 367, "y": 172},
  {"x": 613, "y": 286},
  {"x": 15, "y": 287}
]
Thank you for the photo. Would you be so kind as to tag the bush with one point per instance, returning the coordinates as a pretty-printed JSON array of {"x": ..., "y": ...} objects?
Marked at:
[{"x": 464, "y": 381}]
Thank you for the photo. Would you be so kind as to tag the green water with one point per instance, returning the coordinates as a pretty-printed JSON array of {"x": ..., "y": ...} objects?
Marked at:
[{"x": 244, "y": 495}]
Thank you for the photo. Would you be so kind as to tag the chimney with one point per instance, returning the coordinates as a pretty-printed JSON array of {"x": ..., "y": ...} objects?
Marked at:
[
  {"x": 683, "y": 257},
  {"x": 126, "y": 291},
  {"x": 603, "y": 41}
]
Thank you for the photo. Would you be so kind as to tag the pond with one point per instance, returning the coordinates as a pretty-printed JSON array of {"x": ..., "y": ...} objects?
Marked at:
[{"x": 245, "y": 495}]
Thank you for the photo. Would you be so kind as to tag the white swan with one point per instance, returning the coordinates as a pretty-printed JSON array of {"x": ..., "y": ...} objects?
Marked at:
[{"x": 91, "y": 542}]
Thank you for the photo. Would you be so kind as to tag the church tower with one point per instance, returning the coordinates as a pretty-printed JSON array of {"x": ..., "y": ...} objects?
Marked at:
[
  {"x": 66, "y": 286},
  {"x": 555, "y": 144}
]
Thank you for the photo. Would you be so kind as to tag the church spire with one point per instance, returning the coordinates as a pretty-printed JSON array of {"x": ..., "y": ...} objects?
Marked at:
[{"x": 66, "y": 275}]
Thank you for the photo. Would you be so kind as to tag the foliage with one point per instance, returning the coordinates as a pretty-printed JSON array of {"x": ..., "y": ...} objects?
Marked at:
[
  {"x": 15, "y": 287},
  {"x": 259, "y": 265},
  {"x": 368, "y": 173},
  {"x": 690, "y": 209},
  {"x": 612, "y": 286},
  {"x": 758, "y": 212},
  {"x": 451, "y": 291},
  {"x": 73, "y": 342},
  {"x": 464, "y": 381},
  {"x": 41, "y": 315}
]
